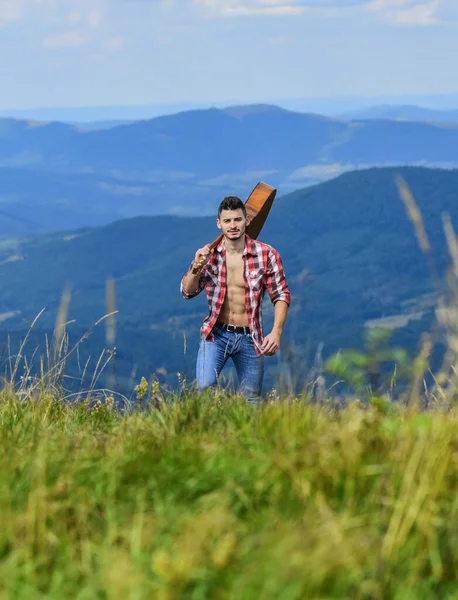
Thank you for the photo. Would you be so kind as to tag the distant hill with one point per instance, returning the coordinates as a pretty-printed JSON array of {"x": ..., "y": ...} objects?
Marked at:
[
  {"x": 86, "y": 114},
  {"x": 240, "y": 112},
  {"x": 349, "y": 251},
  {"x": 106, "y": 124},
  {"x": 403, "y": 113},
  {"x": 36, "y": 201},
  {"x": 404, "y": 142},
  {"x": 334, "y": 105},
  {"x": 187, "y": 162},
  {"x": 196, "y": 145},
  {"x": 211, "y": 145}
]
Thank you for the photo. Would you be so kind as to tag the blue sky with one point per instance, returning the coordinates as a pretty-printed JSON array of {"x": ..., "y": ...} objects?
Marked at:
[{"x": 112, "y": 52}]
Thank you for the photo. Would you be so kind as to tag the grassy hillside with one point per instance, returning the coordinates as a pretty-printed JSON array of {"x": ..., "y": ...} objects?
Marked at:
[{"x": 211, "y": 498}]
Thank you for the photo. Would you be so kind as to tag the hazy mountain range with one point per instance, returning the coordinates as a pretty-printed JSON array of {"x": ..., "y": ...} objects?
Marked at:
[
  {"x": 403, "y": 113},
  {"x": 335, "y": 105},
  {"x": 203, "y": 145},
  {"x": 36, "y": 201},
  {"x": 58, "y": 176},
  {"x": 349, "y": 251},
  {"x": 392, "y": 112}
]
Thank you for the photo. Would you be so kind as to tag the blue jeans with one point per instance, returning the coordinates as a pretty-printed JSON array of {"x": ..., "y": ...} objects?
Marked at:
[{"x": 212, "y": 357}]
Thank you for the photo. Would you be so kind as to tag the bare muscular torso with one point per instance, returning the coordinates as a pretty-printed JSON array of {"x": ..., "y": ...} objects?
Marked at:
[{"x": 233, "y": 310}]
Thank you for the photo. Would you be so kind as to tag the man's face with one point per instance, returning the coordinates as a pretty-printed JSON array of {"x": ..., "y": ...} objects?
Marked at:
[{"x": 232, "y": 223}]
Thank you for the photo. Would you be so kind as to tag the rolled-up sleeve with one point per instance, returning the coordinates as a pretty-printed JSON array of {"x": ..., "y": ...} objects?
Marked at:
[
  {"x": 201, "y": 286},
  {"x": 277, "y": 285}
]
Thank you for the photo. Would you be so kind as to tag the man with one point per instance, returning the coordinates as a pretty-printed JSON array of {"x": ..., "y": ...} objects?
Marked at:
[{"x": 236, "y": 276}]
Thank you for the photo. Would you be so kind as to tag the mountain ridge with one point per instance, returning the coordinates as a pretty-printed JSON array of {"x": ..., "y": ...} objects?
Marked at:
[
  {"x": 182, "y": 163},
  {"x": 348, "y": 247},
  {"x": 403, "y": 112},
  {"x": 203, "y": 142}
]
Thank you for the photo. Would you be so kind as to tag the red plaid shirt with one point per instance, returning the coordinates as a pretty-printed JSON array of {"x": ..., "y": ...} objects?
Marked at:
[{"x": 263, "y": 270}]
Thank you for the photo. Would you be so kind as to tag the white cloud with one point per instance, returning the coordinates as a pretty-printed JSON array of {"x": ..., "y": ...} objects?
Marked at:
[
  {"x": 422, "y": 14},
  {"x": 398, "y": 12},
  {"x": 60, "y": 25},
  {"x": 408, "y": 12},
  {"x": 10, "y": 10},
  {"x": 51, "y": 10},
  {"x": 236, "y": 8}
]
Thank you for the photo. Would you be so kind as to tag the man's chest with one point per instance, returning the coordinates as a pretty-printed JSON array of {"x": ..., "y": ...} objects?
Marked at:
[{"x": 234, "y": 271}]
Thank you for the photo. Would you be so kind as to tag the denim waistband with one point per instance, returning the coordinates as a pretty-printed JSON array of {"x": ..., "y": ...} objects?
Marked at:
[{"x": 232, "y": 328}]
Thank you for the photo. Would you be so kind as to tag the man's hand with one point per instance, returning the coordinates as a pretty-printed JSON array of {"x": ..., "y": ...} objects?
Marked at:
[
  {"x": 202, "y": 253},
  {"x": 271, "y": 343}
]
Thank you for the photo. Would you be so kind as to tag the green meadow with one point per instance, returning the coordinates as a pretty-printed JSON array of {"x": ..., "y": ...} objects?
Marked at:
[{"x": 207, "y": 497}]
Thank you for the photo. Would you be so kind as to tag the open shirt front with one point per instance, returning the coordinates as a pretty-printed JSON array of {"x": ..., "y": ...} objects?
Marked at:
[{"x": 263, "y": 270}]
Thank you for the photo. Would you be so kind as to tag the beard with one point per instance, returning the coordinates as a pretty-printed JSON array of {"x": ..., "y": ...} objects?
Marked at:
[{"x": 236, "y": 235}]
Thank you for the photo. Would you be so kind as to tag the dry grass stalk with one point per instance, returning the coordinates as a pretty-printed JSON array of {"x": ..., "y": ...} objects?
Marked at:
[{"x": 110, "y": 304}]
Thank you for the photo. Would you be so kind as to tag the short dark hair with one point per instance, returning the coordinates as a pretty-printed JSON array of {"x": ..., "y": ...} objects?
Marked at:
[{"x": 231, "y": 203}]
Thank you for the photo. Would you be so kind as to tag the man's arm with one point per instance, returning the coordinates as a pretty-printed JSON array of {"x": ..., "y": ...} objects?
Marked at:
[
  {"x": 279, "y": 293},
  {"x": 192, "y": 285},
  {"x": 271, "y": 342},
  {"x": 280, "y": 313}
]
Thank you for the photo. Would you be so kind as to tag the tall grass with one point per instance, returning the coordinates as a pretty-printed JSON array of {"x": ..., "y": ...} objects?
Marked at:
[{"x": 211, "y": 498}]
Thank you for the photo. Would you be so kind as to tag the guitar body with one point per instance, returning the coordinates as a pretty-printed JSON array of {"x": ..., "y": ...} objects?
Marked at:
[{"x": 257, "y": 207}]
